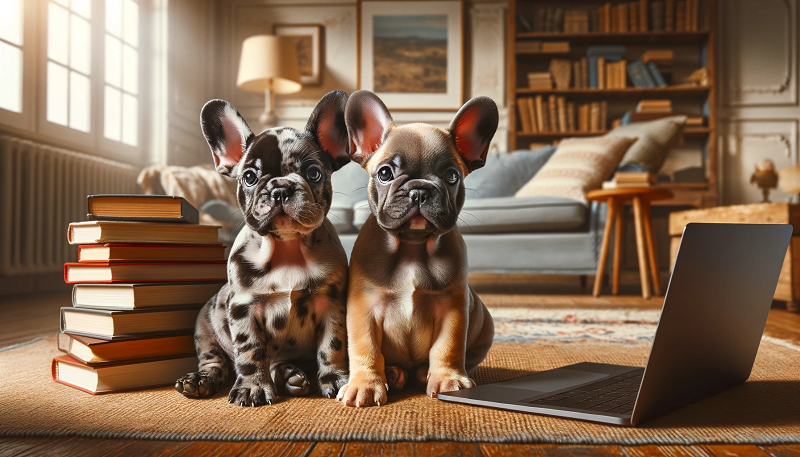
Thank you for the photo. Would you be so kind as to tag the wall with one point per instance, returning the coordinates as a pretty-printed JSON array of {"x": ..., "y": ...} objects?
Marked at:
[
  {"x": 759, "y": 108},
  {"x": 484, "y": 59}
]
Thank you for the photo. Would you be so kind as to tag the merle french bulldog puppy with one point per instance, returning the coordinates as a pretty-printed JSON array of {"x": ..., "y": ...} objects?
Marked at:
[
  {"x": 410, "y": 312},
  {"x": 283, "y": 307}
]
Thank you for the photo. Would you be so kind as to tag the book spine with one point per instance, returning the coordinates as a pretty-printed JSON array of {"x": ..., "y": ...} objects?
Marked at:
[
  {"x": 594, "y": 117},
  {"x": 523, "y": 114},
  {"x": 603, "y": 115},
  {"x": 669, "y": 15},
  {"x": 623, "y": 17},
  {"x": 584, "y": 73},
  {"x": 633, "y": 10},
  {"x": 680, "y": 15},
  {"x": 601, "y": 73},
  {"x": 540, "y": 114},
  {"x": 562, "y": 114},
  {"x": 643, "y": 10},
  {"x": 532, "y": 114},
  {"x": 551, "y": 104},
  {"x": 656, "y": 74},
  {"x": 657, "y": 15},
  {"x": 571, "y": 116},
  {"x": 592, "y": 70},
  {"x": 576, "y": 74}
]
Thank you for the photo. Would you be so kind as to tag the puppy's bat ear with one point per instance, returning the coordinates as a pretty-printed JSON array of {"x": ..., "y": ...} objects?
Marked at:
[
  {"x": 368, "y": 122},
  {"x": 327, "y": 125},
  {"x": 227, "y": 134},
  {"x": 472, "y": 130}
]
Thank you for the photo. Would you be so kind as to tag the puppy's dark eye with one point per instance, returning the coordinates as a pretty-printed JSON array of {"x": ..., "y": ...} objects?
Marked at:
[
  {"x": 451, "y": 176},
  {"x": 314, "y": 175},
  {"x": 249, "y": 177},
  {"x": 385, "y": 174}
]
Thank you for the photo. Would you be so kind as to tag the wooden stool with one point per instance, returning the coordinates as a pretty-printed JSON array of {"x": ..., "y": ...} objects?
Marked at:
[{"x": 645, "y": 247}]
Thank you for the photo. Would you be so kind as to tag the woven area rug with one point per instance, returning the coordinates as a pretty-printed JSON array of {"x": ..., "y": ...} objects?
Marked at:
[{"x": 764, "y": 410}]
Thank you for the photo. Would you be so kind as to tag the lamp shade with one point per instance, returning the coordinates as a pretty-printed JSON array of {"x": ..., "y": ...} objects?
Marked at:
[{"x": 268, "y": 62}]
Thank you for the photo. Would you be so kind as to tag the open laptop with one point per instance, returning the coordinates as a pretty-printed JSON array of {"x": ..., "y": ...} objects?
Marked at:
[{"x": 714, "y": 314}]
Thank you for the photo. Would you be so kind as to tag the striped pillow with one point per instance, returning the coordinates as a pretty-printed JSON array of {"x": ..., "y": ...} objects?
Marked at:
[{"x": 578, "y": 166}]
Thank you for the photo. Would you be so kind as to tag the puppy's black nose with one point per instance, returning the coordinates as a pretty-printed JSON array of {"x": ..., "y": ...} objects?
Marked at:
[
  {"x": 418, "y": 196},
  {"x": 280, "y": 194}
]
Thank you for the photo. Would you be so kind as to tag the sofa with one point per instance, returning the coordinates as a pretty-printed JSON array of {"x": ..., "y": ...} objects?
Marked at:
[{"x": 503, "y": 233}]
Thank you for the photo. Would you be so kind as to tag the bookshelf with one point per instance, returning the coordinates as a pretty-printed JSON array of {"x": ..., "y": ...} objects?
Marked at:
[{"x": 690, "y": 49}]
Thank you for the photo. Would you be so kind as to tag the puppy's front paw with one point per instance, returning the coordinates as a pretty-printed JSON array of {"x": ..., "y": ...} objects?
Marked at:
[
  {"x": 447, "y": 382},
  {"x": 331, "y": 383},
  {"x": 396, "y": 378},
  {"x": 196, "y": 385},
  {"x": 364, "y": 390},
  {"x": 247, "y": 392},
  {"x": 291, "y": 380}
]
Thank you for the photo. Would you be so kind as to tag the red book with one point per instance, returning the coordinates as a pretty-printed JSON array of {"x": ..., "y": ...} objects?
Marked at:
[
  {"x": 120, "y": 377},
  {"x": 129, "y": 253},
  {"x": 75, "y": 273}
]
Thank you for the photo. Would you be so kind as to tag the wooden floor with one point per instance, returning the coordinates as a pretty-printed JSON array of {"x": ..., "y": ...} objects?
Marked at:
[{"x": 26, "y": 318}]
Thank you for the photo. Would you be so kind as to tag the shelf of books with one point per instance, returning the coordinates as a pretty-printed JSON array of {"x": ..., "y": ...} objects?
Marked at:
[{"x": 584, "y": 67}]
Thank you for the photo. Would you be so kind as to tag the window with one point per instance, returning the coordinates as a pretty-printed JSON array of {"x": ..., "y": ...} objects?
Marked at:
[
  {"x": 71, "y": 72},
  {"x": 11, "y": 55},
  {"x": 69, "y": 63},
  {"x": 122, "y": 71}
]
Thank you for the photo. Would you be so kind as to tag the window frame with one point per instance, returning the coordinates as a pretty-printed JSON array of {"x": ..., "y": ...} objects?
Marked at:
[
  {"x": 33, "y": 121},
  {"x": 25, "y": 119}
]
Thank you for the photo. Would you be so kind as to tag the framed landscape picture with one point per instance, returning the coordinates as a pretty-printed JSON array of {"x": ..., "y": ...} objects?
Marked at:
[
  {"x": 308, "y": 40},
  {"x": 410, "y": 53}
]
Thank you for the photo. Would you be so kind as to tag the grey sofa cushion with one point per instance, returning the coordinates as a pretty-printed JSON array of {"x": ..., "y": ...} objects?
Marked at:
[
  {"x": 504, "y": 173},
  {"x": 342, "y": 218},
  {"x": 517, "y": 214},
  {"x": 508, "y": 215},
  {"x": 349, "y": 187}
]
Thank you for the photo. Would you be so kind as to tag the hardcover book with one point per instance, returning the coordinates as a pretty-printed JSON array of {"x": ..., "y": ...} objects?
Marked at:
[
  {"x": 136, "y": 296},
  {"x": 116, "y": 325},
  {"x": 143, "y": 208},
  {"x": 115, "y": 253},
  {"x": 116, "y": 378},
  {"x": 144, "y": 272},
  {"x": 102, "y": 232},
  {"x": 94, "y": 351},
  {"x": 656, "y": 74}
]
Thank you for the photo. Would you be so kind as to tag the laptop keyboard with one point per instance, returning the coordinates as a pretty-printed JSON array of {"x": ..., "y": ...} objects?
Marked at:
[{"x": 616, "y": 394}]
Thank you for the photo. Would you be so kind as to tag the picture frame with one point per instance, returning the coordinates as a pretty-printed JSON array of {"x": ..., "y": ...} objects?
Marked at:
[
  {"x": 411, "y": 53},
  {"x": 310, "y": 52}
]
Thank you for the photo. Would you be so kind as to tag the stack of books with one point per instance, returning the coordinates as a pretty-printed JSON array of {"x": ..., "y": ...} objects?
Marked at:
[
  {"x": 659, "y": 56},
  {"x": 654, "y": 106},
  {"x": 540, "y": 80},
  {"x": 145, "y": 268},
  {"x": 623, "y": 179}
]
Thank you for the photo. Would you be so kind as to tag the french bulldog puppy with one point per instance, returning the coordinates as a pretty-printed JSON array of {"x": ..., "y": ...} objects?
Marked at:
[
  {"x": 283, "y": 307},
  {"x": 410, "y": 309}
]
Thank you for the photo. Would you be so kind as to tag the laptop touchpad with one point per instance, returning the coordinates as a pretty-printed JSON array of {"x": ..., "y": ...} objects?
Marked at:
[{"x": 548, "y": 381}]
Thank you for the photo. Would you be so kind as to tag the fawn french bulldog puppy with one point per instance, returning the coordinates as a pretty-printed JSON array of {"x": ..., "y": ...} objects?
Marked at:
[
  {"x": 283, "y": 307},
  {"x": 410, "y": 311}
]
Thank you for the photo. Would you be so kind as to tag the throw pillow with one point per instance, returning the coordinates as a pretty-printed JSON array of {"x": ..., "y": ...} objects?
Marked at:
[
  {"x": 578, "y": 166},
  {"x": 655, "y": 139},
  {"x": 505, "y": 172}
]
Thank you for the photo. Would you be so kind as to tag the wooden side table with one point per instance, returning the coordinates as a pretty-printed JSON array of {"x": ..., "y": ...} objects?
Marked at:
[{"x": 645, "y": 246}]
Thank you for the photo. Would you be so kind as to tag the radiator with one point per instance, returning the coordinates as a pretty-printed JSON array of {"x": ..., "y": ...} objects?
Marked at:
[{"x": 42, "y": 190}]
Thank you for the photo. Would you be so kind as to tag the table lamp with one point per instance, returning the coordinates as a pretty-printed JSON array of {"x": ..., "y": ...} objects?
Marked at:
[{"x": 269, "y": 65}]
